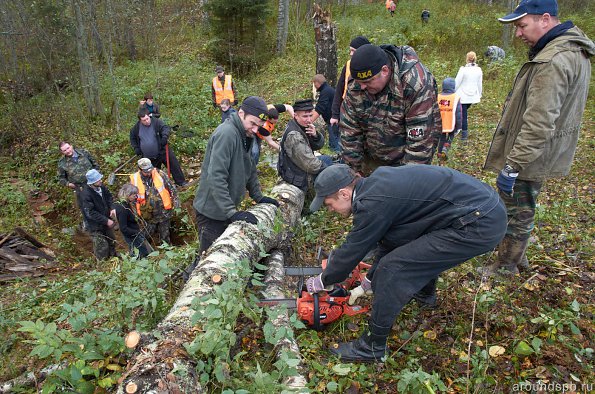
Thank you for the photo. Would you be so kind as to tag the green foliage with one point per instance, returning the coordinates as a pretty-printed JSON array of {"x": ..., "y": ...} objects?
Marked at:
[
  {"x": 419, "y": 381},
  {"x": 88, "y": 334},
  {"x": 239, "y": 33}
]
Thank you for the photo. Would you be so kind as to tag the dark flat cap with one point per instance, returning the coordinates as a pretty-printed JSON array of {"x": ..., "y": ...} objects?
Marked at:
[{"x": 303, "y": 105}]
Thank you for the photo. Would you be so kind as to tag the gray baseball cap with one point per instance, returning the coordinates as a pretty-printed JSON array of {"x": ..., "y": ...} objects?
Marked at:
[{"x": 329, "y": 181}]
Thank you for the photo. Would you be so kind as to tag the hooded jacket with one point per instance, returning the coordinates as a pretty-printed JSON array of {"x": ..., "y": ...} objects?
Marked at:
[
  {"x": 541, "y": 120},
  {"x": 227, "y": 172}
]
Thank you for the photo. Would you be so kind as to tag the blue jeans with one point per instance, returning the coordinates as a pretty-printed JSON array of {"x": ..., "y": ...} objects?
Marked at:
[
  {"x": 255, "y": 150},
  {"x": 326, "y": 159},
  {"x": 465, "y": 107},
  {"x": 334, "y": 137},
  {"x": 409, "y": 268}
]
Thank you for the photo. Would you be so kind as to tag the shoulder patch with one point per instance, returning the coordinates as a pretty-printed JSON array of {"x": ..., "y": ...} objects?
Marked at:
[{"x": 416, "y": 133}]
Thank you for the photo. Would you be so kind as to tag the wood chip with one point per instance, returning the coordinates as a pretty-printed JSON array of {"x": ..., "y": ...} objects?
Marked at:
[
  {"x": 216, "y": 279},
  {"x": 131, "y": 388},
  {"x": 132, "y": 339}
]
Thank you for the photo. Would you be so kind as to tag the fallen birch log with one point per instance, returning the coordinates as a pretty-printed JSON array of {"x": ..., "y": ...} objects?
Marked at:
[
  {"x": 274, "y": 281},
  {"x": 151, "y": 369}
]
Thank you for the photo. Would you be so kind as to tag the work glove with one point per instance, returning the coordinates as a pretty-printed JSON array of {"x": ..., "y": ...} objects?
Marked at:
[
  {"x": 314, "y": 285},
  {"x": 506, "y": 179},
  {"x": 268, "y": 200},
  {"x": 244, "y": 217},
  {"x": 364, "y": 288}
]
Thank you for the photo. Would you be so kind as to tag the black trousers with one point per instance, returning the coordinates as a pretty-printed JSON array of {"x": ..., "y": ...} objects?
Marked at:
[
  {"x": 416, "y": 265},
  {"x": 174, "y": 165},
  {"x": 209, "y": 230}
]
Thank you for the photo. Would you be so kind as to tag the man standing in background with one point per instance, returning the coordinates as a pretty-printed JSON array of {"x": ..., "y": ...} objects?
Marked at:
[{"x": 537, "y": 135}]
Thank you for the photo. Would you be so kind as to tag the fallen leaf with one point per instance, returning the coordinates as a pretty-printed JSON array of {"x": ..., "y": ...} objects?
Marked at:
[
  {"x": 496, "y": 351},
  {"x": 430, "y": 334}
]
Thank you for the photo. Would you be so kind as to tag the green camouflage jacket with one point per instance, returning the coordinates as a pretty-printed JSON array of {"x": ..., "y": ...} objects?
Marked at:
[
  {"x": 153, "y": 211},
  {"x": 401, "y": 124},
  {"x": 70, "y": 171}
]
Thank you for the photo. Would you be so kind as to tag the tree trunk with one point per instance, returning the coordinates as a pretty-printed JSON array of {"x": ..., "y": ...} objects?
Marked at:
[
  {"x": 325, "y": 33},
  {"x": 274, "y": 282},
  {"x": 88, "y": 78},
  {"x": 115, "y": 111},
  {"x": 508, "y": 28},
  {"x": 282, "y": 26},
  {"x": 155, "y": 361}
]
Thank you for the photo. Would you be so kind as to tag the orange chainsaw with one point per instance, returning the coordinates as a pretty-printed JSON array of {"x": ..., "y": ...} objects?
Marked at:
[{"x": 319, "y": 309}]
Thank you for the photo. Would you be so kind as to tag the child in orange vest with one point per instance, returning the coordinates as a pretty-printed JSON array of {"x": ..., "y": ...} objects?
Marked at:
[{"x": 451, "y": 114}]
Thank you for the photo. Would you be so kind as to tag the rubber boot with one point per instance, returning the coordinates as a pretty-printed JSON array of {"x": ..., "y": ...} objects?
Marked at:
[
  {"x": 464, "y": 136},
  {"x": 510, "y": 255},
  {"x": 370, "y": 347},
  {"x": 426, "y": 297}
]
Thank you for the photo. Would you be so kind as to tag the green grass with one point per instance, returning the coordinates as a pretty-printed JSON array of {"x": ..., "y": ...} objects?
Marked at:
[{"x": 438, "y": 347}]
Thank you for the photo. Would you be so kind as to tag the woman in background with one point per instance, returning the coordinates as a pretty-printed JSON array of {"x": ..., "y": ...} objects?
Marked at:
[{"x": 469, "y": 88}]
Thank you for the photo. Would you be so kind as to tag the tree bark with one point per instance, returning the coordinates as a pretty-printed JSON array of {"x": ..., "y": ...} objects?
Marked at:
[
  {"x": 88, "y": 77},
  {"x": 282, "y": 26},
  {"x": 274, "y": 281},
  {"x": 325, "y": 34},
  {"x": 507, "y": 28},
  {"x": 240, "y": 240}
]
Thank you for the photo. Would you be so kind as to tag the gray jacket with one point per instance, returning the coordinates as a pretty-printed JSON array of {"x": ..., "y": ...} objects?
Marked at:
[
  {"x": 227, "y": 171},
  {"x": 541, "y": 120}
]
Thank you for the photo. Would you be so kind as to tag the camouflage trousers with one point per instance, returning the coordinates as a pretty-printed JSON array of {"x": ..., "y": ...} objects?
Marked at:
[
  {"x": 104, "y": 243},
  {"x": 162, "y": 229},
  {"x": 520, "y": 208}
]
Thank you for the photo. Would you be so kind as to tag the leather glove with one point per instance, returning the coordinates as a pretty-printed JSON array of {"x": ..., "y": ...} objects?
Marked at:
[
  {"x": 244, "y": 217},
  {"x": 268, "y": 200},
  {"x": 506, "y": 179},
  {"x": 315, "y": 285},
  {"x": 364, "y": 288}
]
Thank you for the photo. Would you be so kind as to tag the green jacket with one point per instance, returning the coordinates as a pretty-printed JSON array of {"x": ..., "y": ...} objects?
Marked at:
[
  {"x": 227, "y": 171},
  {"x": 70, "y": 171},
  {"x": 541, "y": 120}
]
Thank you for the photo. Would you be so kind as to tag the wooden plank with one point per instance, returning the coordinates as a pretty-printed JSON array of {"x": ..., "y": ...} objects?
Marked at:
[
  {"x": 9, "y": 254},
  {"x": 29, "y": 237}
]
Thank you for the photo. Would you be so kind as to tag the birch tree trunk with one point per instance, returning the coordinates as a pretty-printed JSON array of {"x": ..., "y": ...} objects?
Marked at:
[
  {"x": 282, "y": 26},
  {"x": 88, "y": 77},
  {"x": 325, "y": 34},
  {"x": 151, "y": 368}
]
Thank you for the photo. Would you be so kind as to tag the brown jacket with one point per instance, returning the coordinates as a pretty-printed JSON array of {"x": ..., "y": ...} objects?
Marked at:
[{"x": 540, "y": 123}]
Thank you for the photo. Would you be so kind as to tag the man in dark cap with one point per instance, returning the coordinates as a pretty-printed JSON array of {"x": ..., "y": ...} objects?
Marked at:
[
  {"x": 345, "y": 79},
  {"x": 390, "y": 115},
  {"x": 538, "y": 133},
  {"x": 227, "y": 172},
  {"x": 223, "y": 88},
  {"x": 426, "y": 219},
  {"x": 297, "y": 162}
]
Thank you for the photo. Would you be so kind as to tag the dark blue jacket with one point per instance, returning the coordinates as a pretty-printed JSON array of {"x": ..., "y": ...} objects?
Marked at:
[
  {"x": 325, "y": 101},
  {"x": 396, "y": 205},
  {"x": 96, "y": 208}
]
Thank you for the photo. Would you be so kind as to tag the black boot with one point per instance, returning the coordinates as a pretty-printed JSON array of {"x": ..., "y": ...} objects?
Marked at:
[
  {"x": 370, "y": 347},
  {"x": 426, "y": 297}
]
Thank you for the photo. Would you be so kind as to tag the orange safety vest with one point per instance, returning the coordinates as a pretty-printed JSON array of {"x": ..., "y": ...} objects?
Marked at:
[
  {"x": 137, "y": 181},
  {"x": 223, "y": 92},
  {"x": 347, "y": 75},
  {"x": 448, "y": 111},
  {"x": 387, "y": 4}
]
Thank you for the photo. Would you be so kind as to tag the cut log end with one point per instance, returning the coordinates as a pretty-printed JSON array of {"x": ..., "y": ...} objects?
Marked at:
[
  {"x": 131, "y": 388},
  {"x": 217, "y": 279},
  {"x": 132, "y": 339}
]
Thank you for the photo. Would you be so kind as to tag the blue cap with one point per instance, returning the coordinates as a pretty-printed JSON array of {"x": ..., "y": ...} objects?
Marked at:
[
  {"x": 531, "y": 7},
  {"x": 93, "y": 176}
]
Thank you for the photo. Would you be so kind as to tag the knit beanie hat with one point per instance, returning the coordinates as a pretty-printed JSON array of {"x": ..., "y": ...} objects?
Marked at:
[
  {"x": 367, "y": 61},
  {"x": 358, "y": 42}
]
